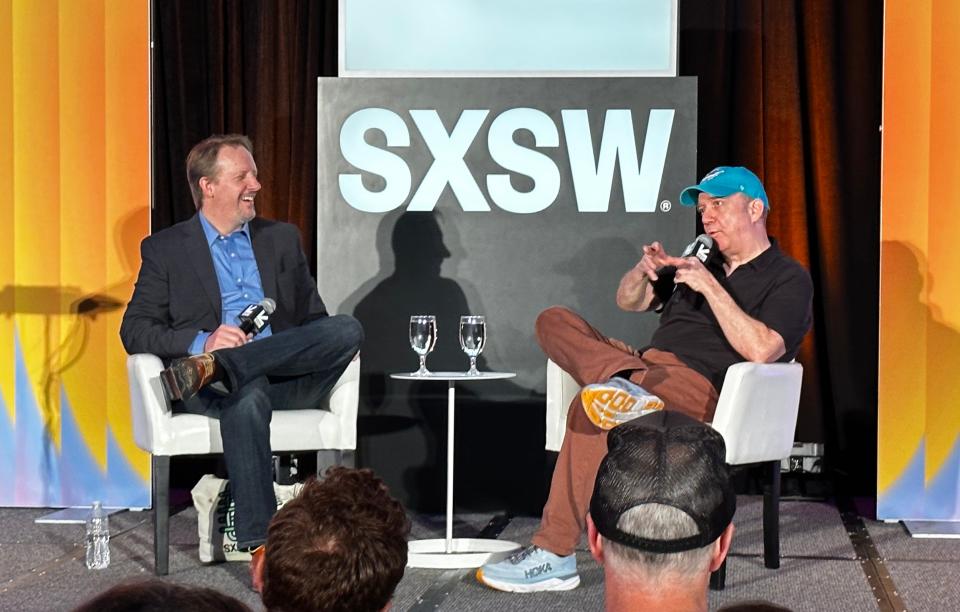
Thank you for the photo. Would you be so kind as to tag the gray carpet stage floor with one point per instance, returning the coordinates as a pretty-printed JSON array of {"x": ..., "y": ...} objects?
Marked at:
[{"x": 41, "y": 566}]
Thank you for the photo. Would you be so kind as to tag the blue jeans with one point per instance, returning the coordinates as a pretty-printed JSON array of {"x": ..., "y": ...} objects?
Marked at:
[{"x": 289, "y": 370}]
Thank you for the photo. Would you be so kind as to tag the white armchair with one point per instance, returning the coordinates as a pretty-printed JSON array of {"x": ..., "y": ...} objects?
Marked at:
[
  {"x": 756, "y": 415},
  {"x": 561, "y": 389},
  {"x": 332, "y": 428}
]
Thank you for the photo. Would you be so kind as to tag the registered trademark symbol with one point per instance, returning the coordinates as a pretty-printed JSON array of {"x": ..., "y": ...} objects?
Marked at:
[{"x": 665, "y": 206}]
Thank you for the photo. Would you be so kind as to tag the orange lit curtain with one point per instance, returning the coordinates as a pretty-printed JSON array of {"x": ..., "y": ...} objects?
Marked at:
[
  {"x": 788, "y": 88},
  {"x": 74, "y": 187},
  {"x": 918, "y": 463}
]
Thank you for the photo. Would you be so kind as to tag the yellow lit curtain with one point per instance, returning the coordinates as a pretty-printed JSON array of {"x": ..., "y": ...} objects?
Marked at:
[{"x": 74, "y": 187}]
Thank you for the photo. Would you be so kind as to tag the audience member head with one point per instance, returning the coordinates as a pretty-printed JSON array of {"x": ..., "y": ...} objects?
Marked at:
[
  {"x": 661, "y": 511},
  {"x": 339, "y": 545},
  {"x": 159, "y": 596},
  {"x": 202, "y": 160}
]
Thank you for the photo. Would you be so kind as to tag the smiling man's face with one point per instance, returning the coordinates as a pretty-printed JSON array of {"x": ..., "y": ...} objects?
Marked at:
[{"x": 231, "y": 193}]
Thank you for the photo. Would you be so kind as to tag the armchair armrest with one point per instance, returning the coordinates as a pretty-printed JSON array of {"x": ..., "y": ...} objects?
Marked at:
[
  {"x": 757, "y": 410},
  {"x": 561, "y": 389},
  {"x": 343, "y": 400},
  {"x": 148, "y": 405}
]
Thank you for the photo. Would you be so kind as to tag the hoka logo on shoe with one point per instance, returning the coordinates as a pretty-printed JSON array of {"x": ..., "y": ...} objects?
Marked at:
[{"x": 536, "y": 571}]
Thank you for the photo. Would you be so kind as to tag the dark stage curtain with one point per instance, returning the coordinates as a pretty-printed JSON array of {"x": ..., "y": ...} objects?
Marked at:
[
  {"x": 792, "y": 89},
  {"x": 788, "y": 88},
  {"x": 247, "y": 66}
]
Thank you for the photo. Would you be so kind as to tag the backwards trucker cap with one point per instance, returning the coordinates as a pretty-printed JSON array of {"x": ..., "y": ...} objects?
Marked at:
[
  {"x": 723, "y": 181},
  {"x": 665, "y": 458}
]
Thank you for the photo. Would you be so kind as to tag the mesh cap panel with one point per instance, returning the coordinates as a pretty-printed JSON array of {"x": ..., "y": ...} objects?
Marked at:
[{"x": 664, "y": 458}]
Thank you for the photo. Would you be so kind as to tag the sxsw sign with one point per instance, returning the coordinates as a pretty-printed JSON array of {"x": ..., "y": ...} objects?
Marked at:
[
  {"x": 514, "y": 145},
  {"x": 592, "y": 176}
]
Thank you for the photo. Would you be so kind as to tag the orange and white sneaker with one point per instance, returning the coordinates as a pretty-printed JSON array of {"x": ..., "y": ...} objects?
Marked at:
[{"x": 617, "y": 401}]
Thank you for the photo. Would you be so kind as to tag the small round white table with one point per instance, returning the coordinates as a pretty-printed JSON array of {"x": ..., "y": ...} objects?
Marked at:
[{"x": 450, "y": 552}]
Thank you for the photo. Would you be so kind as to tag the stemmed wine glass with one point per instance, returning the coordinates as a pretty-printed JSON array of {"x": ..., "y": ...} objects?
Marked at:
[
  {"x": 473, "y": 335},
  {"x": 423, "y": 337}
]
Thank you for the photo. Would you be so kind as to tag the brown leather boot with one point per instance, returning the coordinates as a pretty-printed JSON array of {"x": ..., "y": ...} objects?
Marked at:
[{"x": 187, "y": 375}]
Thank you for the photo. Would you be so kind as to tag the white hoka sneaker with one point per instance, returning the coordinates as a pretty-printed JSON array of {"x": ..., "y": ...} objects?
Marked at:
[{"x": 532, "y": 569}]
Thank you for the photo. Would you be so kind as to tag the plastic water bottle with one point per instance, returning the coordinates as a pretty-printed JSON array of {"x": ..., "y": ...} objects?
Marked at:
[{"x": 98, "y": 538}]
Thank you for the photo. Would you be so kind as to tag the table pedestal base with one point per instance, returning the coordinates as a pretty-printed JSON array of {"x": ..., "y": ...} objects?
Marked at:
[
  {"x": 450, "y": 552},
  {"x": 464, "y": 552}
]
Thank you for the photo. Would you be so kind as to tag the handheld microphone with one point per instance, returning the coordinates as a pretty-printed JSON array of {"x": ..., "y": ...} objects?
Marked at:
[
  {"x": 255, "y": 317},
  {"x": 703, "y": 248}
]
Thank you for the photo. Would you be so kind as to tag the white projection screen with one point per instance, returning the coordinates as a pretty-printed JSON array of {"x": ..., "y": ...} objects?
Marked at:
[{"x": 506, "y": 37}]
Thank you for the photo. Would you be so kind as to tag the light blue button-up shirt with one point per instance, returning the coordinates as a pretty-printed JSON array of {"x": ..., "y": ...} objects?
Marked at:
[{"x": 237, "y": 274}]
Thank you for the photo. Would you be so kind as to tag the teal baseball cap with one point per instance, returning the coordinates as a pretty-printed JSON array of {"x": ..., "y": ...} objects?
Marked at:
[{"x": 723, "y": 181}]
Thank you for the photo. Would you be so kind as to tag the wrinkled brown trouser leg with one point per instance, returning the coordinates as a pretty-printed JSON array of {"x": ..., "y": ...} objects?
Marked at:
[{"x": 591, "y": 357}]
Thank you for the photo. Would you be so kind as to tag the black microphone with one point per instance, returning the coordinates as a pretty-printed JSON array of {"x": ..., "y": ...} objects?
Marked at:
[
  {"x": 703, "y": 248},
  {"x": 709, "y": 256},
  {"x": 255, "y": 317}
]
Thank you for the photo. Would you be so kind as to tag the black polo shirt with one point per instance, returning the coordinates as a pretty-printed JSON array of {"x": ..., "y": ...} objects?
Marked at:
[{"x": 771, "y": 288}]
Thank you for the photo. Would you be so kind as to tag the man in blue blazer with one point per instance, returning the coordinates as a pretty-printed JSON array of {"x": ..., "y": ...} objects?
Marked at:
[{"x": 195, "y": 279}]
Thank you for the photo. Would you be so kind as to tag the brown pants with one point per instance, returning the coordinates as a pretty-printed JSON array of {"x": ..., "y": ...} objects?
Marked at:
[{"x": 591, "y": 357}]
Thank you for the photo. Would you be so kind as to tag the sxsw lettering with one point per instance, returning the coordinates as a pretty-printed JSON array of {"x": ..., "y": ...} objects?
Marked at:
[{"x": 592, "y": 176}]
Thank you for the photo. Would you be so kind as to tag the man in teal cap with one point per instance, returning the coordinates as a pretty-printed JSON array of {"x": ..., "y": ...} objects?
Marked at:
[
  {"x": 753, "y": 303},
  {"x": 718, "y": 187}
]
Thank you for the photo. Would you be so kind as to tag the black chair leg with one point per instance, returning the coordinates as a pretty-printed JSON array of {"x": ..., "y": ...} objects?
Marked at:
[
  {"x": 718, "y": 578},
  {"x": 771, "y": 518},
  {"x": 161, "y": 514}
]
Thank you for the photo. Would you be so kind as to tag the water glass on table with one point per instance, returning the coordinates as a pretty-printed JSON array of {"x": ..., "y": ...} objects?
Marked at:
[
  {"x": 423, "y": 337},
  {"x": 473, "y": 335}
]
